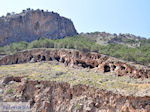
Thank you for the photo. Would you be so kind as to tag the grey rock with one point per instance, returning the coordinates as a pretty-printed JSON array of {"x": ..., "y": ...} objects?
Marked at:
[
  {"x": 6, "y": 80},
  {"x": 33, "y": 24},
  {"x": 32, "y": 60},
  {"x": 11, "y": 82},
  {"x": 1, "y": 91}
]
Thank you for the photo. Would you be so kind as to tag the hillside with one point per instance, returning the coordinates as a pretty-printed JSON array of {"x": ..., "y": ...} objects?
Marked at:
[
  {"x": 44, "y": 62},
  {"x": 139, "y": 55},
  {"x": 52, "y": 82},
  {"x": 104, "y": 38},
  {"x": 31, "y": 24}
]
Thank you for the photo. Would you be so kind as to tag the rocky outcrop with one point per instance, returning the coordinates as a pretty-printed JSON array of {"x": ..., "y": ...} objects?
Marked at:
[
  {"x": 34, "y": 24},
  {"x": 106, "y": 38},
  {"x": 45, "y": 96},
  {"x": 101, "y": 62}
]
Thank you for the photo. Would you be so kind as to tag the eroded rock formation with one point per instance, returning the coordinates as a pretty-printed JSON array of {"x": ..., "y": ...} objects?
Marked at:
[
  {"x": 101, "y": 62},
  {"x": 45, "y": 96},
  {"x": 33, "y": 24}
]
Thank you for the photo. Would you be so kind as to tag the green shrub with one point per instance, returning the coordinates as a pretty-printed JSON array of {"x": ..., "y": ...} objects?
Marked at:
[{"x": 139, "y": 55}]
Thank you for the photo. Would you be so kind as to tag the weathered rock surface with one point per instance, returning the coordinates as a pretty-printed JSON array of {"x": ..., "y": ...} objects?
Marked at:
[
  {"x": 107, "y": 38},
  {"x": 101, "y": 62},
  {"x": 33, "y": 24},
  {"x": 45, "y": 96}
]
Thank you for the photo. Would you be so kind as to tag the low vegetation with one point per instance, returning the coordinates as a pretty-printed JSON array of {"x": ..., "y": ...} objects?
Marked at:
[
  {"x": 10, "y": 91},
  {"x": 49, "y": 71},
  {"x": 139, "y": 55}
]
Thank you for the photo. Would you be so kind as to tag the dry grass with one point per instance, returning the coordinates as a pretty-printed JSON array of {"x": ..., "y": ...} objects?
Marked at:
[{"x": 53, "y": 71}]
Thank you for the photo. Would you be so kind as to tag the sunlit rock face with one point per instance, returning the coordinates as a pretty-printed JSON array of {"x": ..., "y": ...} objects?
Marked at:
[
  {"x": 48, "y": 96},
  {"x": 33, "y": 24},
  {"x": 90, "y": 60}
]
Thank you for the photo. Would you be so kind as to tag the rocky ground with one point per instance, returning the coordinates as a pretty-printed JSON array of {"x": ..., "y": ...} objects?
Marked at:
[
  {"x": 53, "y": 87},
  {"x": 102, "y": 63},
  {"x": 104, "y": 38},
  {"x": 61, "y": 80}
]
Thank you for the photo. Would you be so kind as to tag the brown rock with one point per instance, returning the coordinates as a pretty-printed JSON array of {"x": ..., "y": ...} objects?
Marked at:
[
  {"x": 59, "y": 97},
  {"x": 8, "y": 79},
  {"x": 91, "y": 60}
]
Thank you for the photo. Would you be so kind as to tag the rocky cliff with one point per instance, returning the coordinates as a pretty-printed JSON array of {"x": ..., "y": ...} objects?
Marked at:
[
  {"x": 101, "y": 62},
  {"x": 45, "y": 96},
  {"x": 33, "y": 24}
]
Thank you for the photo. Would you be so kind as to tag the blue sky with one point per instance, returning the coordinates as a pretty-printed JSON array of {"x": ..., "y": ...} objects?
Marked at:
[{"x": 114, "y": 16}]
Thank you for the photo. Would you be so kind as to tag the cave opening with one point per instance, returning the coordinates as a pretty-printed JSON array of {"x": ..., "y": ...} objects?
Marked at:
[
  {"x": 90, "y": 66},
  {"x": 96, "y": 65},
  {"x": 114, "y": 67},
  {"x": 43, "y": 58},
  {"x": 30, "y": 57},
  {"x": 85, "y": 65},
  {"x": 63, "y": 60},
  {"x": 50, "y": 59},
  {"x": 106, "y": 68},
  {"x": 17, "y": 61},
  {"x": 123, "y": 68},
  {"x": 71, "y": 96},
  {"x": 57, "y": 58},
  {"x": 39, "y": 57},
  {"x": 17, "y": 79}
]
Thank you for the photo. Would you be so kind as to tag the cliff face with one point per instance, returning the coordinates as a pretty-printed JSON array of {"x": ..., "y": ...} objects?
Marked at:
[
  {"x": 33, "y": 24},
  {"x": 45, "y": 96},
  {"x": 101, "y": 62}
]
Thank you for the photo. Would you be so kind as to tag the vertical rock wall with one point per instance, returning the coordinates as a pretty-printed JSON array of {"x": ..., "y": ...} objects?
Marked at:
[{"x": 33, "y": 24}]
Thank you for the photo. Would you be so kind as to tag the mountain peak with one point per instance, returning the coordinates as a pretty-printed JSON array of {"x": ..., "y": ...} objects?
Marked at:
[{"x": 32, "y": 24}]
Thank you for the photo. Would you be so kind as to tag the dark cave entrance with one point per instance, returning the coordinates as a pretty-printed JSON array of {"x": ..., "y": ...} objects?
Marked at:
[
  {"x": 123, "y": 68},
  {"x": 17, "y": 61},
  {"x": 114, "y": 67},
  {"x": 31, "y": 58},
  {"x": 50, "y": 59},
  {"x": 43, "y": 58},
  {"x": 84, "y": 64},
  {"x": 63, "y": 60},
  {"x": 57, "y": 58},
  {"x": 106, "y": 68},
  {"x": 39, "y": 57}
]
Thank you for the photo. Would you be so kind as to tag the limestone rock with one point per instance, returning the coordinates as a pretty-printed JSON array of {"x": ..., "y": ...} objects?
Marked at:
[{"x": 34, "y": 24}]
